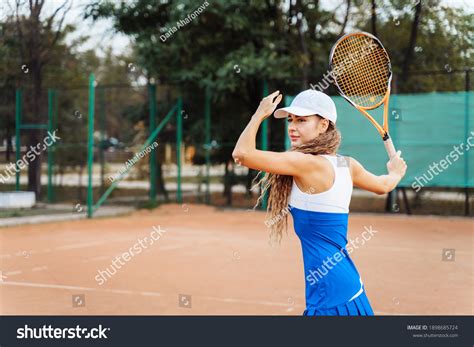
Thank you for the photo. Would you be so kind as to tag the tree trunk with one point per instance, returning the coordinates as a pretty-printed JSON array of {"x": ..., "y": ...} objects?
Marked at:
[
  {"x": 9, "y": 141},
  {"x": 34, "y": 52},
  {"x": 374, "y": 18},
  {"x": 304, "y": 50},
  {"x": 346, "y": 18},
  {"x": 34, "y": 135},
  {"x": 79, "y": 186},
  {"x": 411, "y": 44},
  {"x": 161, "y": 182}
]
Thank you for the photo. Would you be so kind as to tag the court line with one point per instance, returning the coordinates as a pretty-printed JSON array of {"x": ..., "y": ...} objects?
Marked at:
[
  {"x": 81, "y": 245},
  {"x": 129, "y": 292},
  {"x": 86, "y": 289},
  {"x": 173, "y": 247},
  {"x": 19, "y": 272},
  {"x": 243, "y": 301},
  {"x": 70, "y": 246},
  {"x": 10, "y": 273},
  {"x": 210, "y": 298}
]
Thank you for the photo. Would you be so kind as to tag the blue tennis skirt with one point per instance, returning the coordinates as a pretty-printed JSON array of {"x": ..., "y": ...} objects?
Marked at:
[{"x": 360, "y": 306}]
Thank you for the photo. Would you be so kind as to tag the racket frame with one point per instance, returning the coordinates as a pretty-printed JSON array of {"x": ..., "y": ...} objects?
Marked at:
[{"x": 383, "y": 130}]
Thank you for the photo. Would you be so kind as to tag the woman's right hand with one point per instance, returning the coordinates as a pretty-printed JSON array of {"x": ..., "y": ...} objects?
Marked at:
[
  {"x": 268, "y": 105},
  {"x": 396, "y": 165}
]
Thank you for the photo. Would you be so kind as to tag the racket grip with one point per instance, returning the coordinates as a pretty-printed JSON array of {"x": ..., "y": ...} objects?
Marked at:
[{"x": 389, "y": 147}]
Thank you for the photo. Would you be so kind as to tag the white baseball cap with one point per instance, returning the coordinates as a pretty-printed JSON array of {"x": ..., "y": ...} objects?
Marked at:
[{"x": 308, "y": 103}]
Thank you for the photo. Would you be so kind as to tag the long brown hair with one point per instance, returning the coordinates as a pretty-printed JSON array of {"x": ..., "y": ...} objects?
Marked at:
[{"x": 277, "y": 206}]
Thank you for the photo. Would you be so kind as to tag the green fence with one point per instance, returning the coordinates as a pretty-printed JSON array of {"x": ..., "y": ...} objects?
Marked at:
[{"x": 425, "y": 127}]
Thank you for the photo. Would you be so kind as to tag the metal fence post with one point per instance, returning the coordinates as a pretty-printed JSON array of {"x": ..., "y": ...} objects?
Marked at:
[
  {"x": 152, "y": 97},
  {"x": 90, "y": 146}
]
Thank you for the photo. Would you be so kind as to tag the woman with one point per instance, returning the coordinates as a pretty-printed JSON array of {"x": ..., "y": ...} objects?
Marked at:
[{"x": 315, "y": 184}]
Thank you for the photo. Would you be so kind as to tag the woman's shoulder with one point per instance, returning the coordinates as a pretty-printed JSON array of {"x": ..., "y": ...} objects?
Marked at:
[
  {"x": 319, "y": 159},
  {"x": 325, "y": 162},
  {"x": 317, "y": 164}
]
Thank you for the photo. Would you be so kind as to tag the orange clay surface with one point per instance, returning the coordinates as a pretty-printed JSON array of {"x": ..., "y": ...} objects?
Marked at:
[{"x": 208, "y": 261}]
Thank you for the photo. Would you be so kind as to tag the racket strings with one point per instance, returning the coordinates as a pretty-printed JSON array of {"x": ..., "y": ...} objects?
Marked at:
[
  {"x": 361, "y": 69},
  {"x": 364, "y": 69},
  {"x": 364, "y": 76}
]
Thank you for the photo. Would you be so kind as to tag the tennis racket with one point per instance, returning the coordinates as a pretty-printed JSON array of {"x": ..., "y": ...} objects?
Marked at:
[{"x": 362, "y": 73}]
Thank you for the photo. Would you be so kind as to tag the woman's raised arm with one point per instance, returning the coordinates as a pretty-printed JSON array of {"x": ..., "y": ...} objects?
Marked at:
[{"x": 282, "y": 163}]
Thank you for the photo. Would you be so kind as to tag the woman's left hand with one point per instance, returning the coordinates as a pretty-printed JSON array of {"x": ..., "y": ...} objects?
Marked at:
[{"x": 268, "y": 105}]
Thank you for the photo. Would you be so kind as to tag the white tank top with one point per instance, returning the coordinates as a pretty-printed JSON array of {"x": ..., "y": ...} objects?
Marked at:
[{"x": 334, "y": 200}]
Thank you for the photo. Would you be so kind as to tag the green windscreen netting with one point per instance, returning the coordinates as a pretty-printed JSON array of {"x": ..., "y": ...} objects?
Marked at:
[{"x": 432, "y": 130}]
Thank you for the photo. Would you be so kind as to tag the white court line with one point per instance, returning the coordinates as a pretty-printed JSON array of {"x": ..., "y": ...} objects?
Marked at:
[
  {"x": 11, "y": 273},
  {"x": 129, "y": 292},
  {"x": 127, "y": 239},
  {"x": 243, "y": 301},
  {"x": 86, "y": 289},
  {"x": 81, "y": 245},
  {"x": 71, "y": 246},
  {"x": 150, "y": 294}
]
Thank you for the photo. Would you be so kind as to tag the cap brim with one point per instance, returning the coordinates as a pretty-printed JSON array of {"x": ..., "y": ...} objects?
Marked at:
[{"x": 297, "y": 111}]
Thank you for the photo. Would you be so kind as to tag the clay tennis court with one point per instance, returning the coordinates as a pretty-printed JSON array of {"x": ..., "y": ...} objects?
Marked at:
[{"x": 212, "y": 261}]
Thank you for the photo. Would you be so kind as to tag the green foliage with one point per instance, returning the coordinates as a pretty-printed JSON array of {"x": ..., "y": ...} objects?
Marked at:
[{"x": 231, "y": 46}]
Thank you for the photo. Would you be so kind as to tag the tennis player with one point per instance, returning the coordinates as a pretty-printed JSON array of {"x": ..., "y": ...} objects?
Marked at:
[{"x": 315, "y": 184}]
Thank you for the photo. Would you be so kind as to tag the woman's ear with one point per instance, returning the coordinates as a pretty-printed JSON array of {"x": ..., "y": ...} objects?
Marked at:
[{"x": 323, "y": 125}]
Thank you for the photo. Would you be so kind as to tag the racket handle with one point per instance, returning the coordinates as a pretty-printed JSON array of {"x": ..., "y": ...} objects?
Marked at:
[{"x": 389, "y": 147}]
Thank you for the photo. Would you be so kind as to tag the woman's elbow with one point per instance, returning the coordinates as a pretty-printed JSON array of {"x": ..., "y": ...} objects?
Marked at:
[
  {"x": 385, "y": 189},
  {"x": 385, "y": 185},
  {"x": 238, "y": 154}
]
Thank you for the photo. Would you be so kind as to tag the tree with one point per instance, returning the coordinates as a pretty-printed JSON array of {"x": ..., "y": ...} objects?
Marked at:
[
  {"x": 8, "y": 78},
  {"x": 373, "y": 17},
  {"x": 36, "y": 39},
  {"x": 228, "y": 48},
  {"x": 232, "y": 52},
  {"x": 421, "y": 36},
  {"x": 412, "y": 42}
]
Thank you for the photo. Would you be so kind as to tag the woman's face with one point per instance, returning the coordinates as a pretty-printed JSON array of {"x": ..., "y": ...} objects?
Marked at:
[{"x": 305, "y": 129}]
